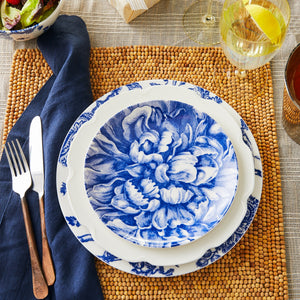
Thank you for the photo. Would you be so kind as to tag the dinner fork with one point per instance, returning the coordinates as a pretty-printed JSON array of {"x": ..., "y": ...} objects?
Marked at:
[{"x": 21, "y": 182}]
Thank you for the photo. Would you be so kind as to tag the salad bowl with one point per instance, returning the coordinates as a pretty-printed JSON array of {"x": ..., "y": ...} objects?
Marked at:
[{"x": 32, "y": 31}]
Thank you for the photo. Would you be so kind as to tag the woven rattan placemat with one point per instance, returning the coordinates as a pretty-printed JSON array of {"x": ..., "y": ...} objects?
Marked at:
[{"x": 256, "y": 267}]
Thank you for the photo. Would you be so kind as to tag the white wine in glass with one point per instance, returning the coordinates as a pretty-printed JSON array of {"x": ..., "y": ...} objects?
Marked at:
[
  {"x": 252, "y": 31},
  {"x": 201, "y": 21}
]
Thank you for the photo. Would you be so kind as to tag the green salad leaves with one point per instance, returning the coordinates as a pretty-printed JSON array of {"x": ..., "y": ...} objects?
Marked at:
[{"x": 25, "y": 13}]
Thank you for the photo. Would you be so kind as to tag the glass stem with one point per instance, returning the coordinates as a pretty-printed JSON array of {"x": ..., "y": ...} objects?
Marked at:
[
  {"x": 208, "y": 18},
  {"x": 241, "y": 73}
]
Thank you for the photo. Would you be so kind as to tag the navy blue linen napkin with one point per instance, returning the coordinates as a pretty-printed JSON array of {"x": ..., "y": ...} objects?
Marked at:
[{"x": 66, "y": 48}]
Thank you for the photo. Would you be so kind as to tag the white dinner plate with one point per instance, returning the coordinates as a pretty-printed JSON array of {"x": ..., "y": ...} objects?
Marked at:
[
  {"x": 141, "y": 267},
  {"x": 123, "y": 248}
]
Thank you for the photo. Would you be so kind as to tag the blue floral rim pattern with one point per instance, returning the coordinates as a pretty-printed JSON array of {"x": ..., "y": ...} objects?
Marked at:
[
  {"x": 143, "y": 268},
  {"x": 161, "y": 173}
]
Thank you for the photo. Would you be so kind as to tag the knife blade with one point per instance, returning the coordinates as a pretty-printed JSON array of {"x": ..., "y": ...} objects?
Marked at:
[
  {"x": 36, "y": 156},
  {"x": 36, "y": 162}
]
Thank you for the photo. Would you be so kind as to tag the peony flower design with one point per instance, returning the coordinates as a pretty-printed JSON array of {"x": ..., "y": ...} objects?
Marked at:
[{"x": 161, "y": 173}]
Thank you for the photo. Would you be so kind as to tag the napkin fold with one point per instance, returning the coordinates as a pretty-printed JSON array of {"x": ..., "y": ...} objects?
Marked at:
[{"x": 66, "y": 48}]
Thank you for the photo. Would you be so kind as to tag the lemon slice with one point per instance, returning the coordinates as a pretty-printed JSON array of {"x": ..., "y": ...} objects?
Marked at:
[{"x": 266, "y": 21}]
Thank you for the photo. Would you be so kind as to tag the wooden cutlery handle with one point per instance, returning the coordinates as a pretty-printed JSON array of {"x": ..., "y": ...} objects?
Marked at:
[
  {"x": 47, "y": 262},
  {"x": 40, "y": 287}
]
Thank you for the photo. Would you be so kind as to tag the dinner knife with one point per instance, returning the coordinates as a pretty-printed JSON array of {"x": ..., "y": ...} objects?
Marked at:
[{"x": 37, "y": 172}]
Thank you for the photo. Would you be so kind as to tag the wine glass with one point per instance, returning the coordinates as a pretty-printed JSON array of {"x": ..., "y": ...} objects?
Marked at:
[
  {"x": 252, "y": 31},
  {"x": 201, "y": 21}
]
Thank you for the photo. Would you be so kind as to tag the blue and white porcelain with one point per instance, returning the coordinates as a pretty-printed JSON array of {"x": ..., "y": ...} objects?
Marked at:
[
  {"x": 33, "y": 31},
  {"x": 161, "y": 173},
  {"x": 99, "y": 115},
  {"x": 204, "y": 250}
]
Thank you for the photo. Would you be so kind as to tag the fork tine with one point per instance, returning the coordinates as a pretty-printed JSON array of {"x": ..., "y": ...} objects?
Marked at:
[
  {"x": 12, "y": 171},
  {"x": 13, "y": 158},
  {"x": 22, "y": 162},
  {"x": 25, "y": 164},
  {"x": 18, "y": 162}
]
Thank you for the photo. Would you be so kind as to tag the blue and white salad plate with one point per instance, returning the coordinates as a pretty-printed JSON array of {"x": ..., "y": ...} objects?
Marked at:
[
  {"x": 79, "y": 196},
  {"x": 160, "y": 173}
]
